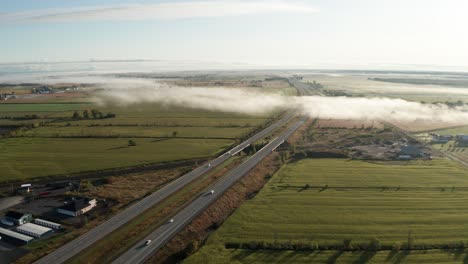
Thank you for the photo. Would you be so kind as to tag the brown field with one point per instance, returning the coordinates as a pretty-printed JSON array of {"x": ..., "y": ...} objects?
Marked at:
[
  {"x": 424, "y": 126},
  {"x": 341, "y": 123}
]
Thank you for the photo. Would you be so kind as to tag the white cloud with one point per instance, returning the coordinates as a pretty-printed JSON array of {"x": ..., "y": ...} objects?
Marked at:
[{"x": 167, "y": 10}]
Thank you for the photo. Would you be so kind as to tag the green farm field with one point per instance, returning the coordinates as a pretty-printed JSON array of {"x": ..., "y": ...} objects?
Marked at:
[
  {"x": 35, "y": 157},
  {"x": 138, "y": 131},
  {"x": 6, "y": 108},
  {"x": 62, "y": 145},
  {"x": 326, "y": 201},
  {"x": 218, "y": 254}
]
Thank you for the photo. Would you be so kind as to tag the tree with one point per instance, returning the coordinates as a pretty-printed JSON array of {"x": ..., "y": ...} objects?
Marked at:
[
  {"x": 76, "y": 115},
  {"x": 397, "y": 247},
  {"x": 85, "y": 114},
  {"x": 347, "y": 244},
  {"x": 131, "y": 143},
  {"x": 191, "y": 248},
  {"x": 375, "y": 245},
  {"x": 94, "y": 113}
]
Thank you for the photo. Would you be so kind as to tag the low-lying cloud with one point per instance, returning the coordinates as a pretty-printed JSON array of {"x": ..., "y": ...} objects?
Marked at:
[
  {"x": 255, "y": 102},
  {"x": 168, "y": 10}
]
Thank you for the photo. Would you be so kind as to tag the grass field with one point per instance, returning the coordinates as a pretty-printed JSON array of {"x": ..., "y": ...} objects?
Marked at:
[
  {"x": 463, "y": 130},
  {"x": 235, "y": 256},
  {"x": 59, "y": 107},
  {"x": 352, "y": 200},
  {"x": 62, "y": 145},
  {"x": 138, "y": 131},
  {"x": 34, "y": 157}
]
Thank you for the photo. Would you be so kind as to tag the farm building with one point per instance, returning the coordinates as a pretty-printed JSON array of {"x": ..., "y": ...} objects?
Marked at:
[
  {"x": 413, "y": 151},
  {"x": 404, "y": 157},
  {"x": 33, "y": 230},
  {"x": 18, "y": 218},
  {"x": 77, "y": 206},
  {"x": 25, "y": 188},
  {"x": 14, "y": 237},
  {"x": 46, "y": 223},
  {"x": 440, "y": 139},
  {"x": 462, "y": 138}
]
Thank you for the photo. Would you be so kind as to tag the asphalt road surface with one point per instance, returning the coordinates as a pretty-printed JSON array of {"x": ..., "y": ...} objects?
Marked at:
[
  {"x": 76, "y": 246},
  {"x": 141, "y": 252},
  {"x": 304, "y": 89}
]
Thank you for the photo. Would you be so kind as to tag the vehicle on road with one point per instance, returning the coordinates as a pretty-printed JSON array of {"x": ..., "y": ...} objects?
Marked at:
[
  {"x": 209, "y": 165},
  {"x": 170, "y": 220},
  {"x": 212, "y": 191},
  {"x": 148, "y": 242}
]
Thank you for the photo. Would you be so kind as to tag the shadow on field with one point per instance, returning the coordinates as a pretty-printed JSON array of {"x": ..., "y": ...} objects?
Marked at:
[
  {"x": 365, "y": 257},
  {"x": 333, "y": 258},
  {"x": 118, "y": 148},
  {"x": 397, "y": 257},
  {"x": 160, "y": 139}
]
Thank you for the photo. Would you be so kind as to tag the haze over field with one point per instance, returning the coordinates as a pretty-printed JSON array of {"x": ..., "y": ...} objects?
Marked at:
[{"x": 256, "y": 102}]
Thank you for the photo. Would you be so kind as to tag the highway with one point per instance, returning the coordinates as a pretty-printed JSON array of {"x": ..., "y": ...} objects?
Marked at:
[
  {"x": 77, "y": 245},
  {"x": 304, "y": 89},
  {"x": 141, "y": 252}
]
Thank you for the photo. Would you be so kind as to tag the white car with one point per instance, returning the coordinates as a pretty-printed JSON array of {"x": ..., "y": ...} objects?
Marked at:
[
  {"x": 147, "y": 242},
  {"x": 209, "y": 165},
  {"x": 212, "y": 191},
  {"x": 170, "y": 220}
]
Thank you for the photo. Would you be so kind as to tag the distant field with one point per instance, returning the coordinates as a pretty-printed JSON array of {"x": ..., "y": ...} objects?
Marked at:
[
  {"x": 362, "y": 86},
  {"x": 420, "y": 126},
  {"x": 463, "y": 130},
  {"x": 353, "y": 200},
  {"x": 59, "y": 107},
  {"x": 170, "y": 121},
  {"x": 138, "y": 131},
  {"x": 23, "y": 158},
  {"x": 341, "y": 123}
]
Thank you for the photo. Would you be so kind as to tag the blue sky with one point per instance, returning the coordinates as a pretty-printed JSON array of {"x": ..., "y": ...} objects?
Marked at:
[{"x": 260, "y": 32}]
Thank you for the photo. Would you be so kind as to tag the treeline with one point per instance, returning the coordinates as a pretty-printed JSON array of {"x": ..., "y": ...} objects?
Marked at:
[
  {"x": 93, "y": 114},
  {"x": 25, "y": 117},
  {"x": 373, "y": 245}
]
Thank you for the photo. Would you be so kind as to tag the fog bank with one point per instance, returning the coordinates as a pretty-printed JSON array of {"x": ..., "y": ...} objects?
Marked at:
[{"x": 256, "y": 102}]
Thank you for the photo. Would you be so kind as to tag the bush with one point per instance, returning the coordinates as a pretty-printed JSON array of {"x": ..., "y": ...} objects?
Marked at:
[
  {"x": 347, "y": 244},
  {"x": 396, "y": 247},
  {"x": 375, "y": 245}
]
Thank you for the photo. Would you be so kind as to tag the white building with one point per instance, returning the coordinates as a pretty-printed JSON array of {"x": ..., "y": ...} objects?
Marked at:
[
  {"x": 46, "y": 223},
  {"x": 33, "y": 230}
]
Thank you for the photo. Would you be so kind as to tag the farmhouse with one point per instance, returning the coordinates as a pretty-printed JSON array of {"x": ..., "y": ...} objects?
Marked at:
[
  {"x": 18, "y": 218},
  {"x": 77, "y": 206}
]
